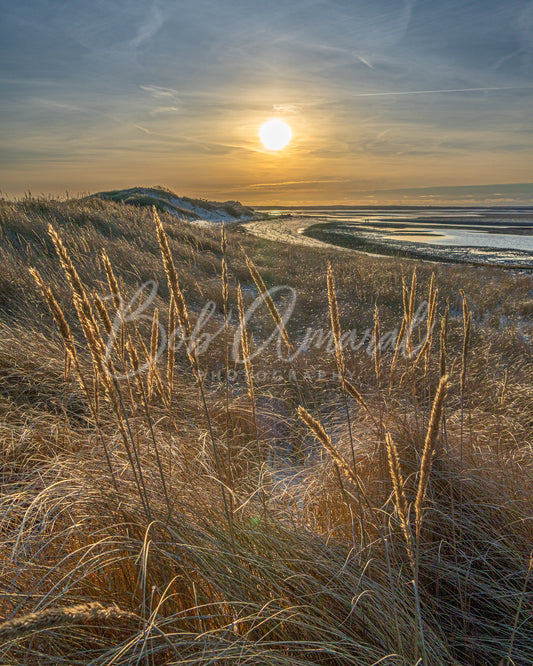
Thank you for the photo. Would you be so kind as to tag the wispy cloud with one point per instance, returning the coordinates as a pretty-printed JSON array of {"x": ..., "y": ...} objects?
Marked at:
[
  {"x": 54, "y": 104},
  {"x": 163, "y": 109},
  {"x": 445, "y": 90},
  {"x": 293, "y": 184},
  {"x": 160, "y": 91},
  {"x": 365, "y": 61},
  {"x": 287, "y": 108},
  {"x": 148, "y": 27}
]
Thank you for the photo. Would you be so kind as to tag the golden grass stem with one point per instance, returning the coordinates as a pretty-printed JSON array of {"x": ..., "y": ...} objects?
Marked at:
[
  {"x": 140, "y": 386},
  {"x": 173, "y": 283},
  {"x": 339, "y": 356},
  {"x": 186, "y": 331},
  {"x": 53, "y": 618},
  {"x": 102, "y": 313},
  {"x": 112, "y": 281},
  {"x": 171, "y": 360},
  {"x": 102, "y": 363},
  {"x": 377, "y": 347},
  {"x": 256, "y": 276},
  {"x": 443, "y": 342},
  {"x": 402, "y": 505},
  {"x": 154, "y": 344},
  {"x": 429, "y": 450},
  {"x": 246, "y": 349},
  {"x": 319, "y": 432}
]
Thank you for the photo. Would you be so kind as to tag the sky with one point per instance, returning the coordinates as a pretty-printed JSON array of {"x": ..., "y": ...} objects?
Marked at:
[{"x": 389, "y": 101}]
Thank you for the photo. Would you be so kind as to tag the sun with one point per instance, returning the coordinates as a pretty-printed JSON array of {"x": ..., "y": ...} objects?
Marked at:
[{"x": 275, "y": 134}]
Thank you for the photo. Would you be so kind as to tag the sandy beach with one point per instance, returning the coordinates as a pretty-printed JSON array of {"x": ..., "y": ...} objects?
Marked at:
[{"x": 286, "y": 230}]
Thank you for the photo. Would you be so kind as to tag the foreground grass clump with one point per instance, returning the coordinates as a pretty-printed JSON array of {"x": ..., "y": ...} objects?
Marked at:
[{"x": 366, "y": 507}]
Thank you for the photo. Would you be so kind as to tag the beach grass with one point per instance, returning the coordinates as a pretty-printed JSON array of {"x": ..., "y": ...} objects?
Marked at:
[{"x": 364, "y": 497}]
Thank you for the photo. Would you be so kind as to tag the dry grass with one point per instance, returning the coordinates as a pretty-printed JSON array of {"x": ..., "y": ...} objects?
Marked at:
[{"x": 168, "y": 517}]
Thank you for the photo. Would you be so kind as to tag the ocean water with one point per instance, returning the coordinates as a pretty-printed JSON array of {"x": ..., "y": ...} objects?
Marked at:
[
  {"x": 501, "y": 228},
  {"x": 463, "y": 238}
]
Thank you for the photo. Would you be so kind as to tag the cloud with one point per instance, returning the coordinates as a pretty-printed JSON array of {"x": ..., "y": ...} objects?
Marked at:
[
  {"x": 365, "y": 61},
  {"x": 148, "y": 27},
  {"x": 287, "y": 108},
  {"x": 54, "y": 104},
  {"x": 163, "y": 109},
  {"x": 445, "y": 90},
  {"x": 293, "y": 184},
  {"x": 159, "y": 91}
]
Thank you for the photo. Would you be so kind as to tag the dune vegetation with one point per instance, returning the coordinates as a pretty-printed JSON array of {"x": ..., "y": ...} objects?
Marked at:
[
  {"x": 362, "y": 498},
  {"x": 166, "y": 201}
]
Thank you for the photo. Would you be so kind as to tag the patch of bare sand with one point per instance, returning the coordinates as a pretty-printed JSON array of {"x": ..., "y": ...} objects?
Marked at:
[{"x": 287, "y": 230}]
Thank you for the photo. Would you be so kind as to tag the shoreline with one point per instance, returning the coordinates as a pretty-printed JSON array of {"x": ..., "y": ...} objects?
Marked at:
[{"x": 313, "y": 232}]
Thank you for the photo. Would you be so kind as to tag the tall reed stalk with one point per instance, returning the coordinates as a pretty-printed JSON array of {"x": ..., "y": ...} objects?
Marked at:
[
  {"x": 246, "y": 346},
  {"x": 339, "y": 354},
  {"x": 186, "y": 332},
  {"x": 103, "y": 364}
]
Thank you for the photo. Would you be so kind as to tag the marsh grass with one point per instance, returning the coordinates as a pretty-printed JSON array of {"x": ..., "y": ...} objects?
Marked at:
[{"x": 159, "y": 517}]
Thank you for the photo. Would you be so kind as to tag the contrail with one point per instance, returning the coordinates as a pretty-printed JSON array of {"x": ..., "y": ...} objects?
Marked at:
[{"x": 447, "y": 90}]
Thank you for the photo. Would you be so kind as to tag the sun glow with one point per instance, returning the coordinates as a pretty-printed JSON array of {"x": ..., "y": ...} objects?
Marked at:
[{"x": 275, "y": 134}]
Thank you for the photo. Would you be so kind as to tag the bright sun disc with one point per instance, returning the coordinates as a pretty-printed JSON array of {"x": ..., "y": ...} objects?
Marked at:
[{"x": 275, "y": 134}]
